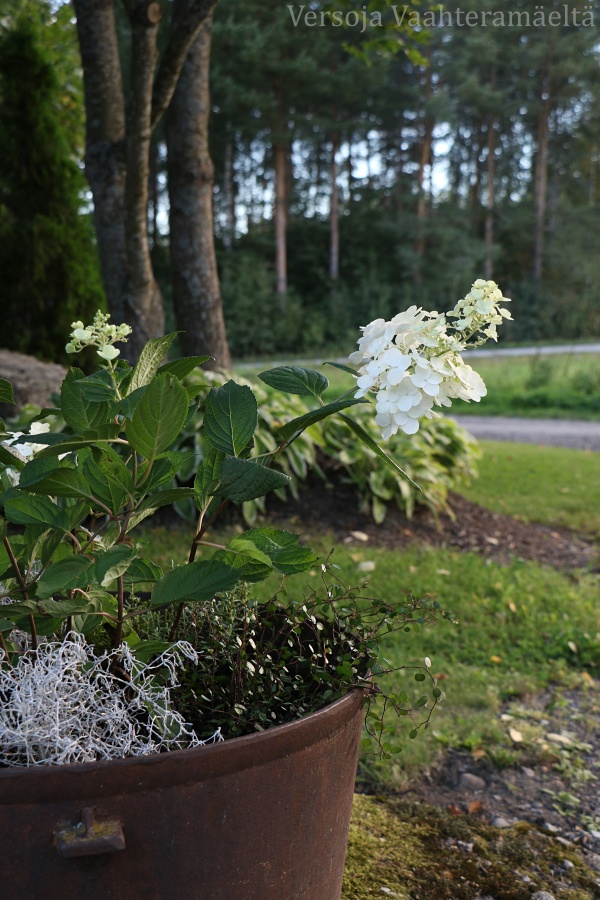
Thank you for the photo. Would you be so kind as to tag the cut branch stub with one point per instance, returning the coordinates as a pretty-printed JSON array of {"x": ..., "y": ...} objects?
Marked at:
[{"x": 148, "y": 13}]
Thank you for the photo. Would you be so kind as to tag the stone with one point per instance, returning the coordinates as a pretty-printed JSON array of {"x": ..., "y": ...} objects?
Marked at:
[
  {"x": 470, "y": 782},
  {"x": 528, "y": 772},
  {"x": 567, "y": 865},
  {"x": 593, "y": 860},
  {"x": 389, "y": 892},
  {"x": 33, "y": 381},
  {"x": 552, "y": 829},
  {"x": 499, "y": 822},
  {"x": 542, "y": 895}
]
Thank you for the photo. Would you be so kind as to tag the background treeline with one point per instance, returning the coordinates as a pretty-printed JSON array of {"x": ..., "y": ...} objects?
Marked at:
[{"x": 349, "y": 182}]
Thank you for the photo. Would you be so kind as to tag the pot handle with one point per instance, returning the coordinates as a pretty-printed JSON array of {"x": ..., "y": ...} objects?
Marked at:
[{"x": 90, "y": 838}]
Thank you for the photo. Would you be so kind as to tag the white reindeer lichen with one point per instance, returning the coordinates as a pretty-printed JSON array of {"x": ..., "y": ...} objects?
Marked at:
[{"x": 64, "y": 704}]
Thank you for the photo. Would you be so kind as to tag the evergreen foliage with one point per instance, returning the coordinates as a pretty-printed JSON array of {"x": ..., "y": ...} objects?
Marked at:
[{"x": 48, "y": 266}]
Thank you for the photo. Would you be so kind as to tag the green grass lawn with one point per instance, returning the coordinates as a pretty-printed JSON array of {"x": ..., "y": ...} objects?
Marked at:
[
  {"x": 517, "y": 627},
  {"x": 540, "y": 484}
]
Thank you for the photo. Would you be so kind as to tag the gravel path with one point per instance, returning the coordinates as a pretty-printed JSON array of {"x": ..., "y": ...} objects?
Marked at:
[{"x": 572, "y": 433}]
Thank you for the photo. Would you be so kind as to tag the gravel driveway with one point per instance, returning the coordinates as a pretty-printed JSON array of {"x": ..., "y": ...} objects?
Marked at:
[{"x": 573, "y": 433}]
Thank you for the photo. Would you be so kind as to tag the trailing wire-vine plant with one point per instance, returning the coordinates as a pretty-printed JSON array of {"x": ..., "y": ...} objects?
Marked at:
[
  {"x": 72, "y": 562},
  {"x": 264, "y": 664}
]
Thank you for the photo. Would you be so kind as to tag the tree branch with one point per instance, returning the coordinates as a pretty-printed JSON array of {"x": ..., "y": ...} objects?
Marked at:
[{"x": 183, "y": 35}]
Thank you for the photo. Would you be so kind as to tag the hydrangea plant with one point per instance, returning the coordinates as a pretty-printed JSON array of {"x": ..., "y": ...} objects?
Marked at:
[{"x": 77, "y": 486}]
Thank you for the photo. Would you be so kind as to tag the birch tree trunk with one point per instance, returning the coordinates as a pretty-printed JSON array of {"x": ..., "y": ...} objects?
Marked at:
[{"x": 196, "y": 293}]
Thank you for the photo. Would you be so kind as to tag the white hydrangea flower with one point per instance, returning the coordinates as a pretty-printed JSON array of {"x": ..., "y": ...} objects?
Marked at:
[
  {"x": 100, "y": 334},
  {"x": 413, "y": 362}
]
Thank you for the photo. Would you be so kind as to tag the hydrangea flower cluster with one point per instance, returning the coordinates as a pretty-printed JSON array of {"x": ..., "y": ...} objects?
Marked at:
[
  {"x": 100, "y": 334},
  {"x": 413, "y": 362}
]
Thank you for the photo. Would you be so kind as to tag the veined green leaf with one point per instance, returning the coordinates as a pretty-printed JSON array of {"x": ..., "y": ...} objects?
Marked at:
[
  {"x": 207, "y": 476},
  {"x": 158, "y": 418},
  {"x": 252, "y": 564},
  {"x": 113, "y": 563},
  {"x": 142, "y": 570},
  {"x": 63, "y": 576},
  {"x": 182, "y": 367},
  {"x": 197, "y": 581},
  {"x": 230, "y": 418},
  {"x": 366, "y": 438},
  {"x": 23, "y": 509},
  {"x": 243, "y": 480},
  {"x": 77, "y": 410},
  {"x": 343, "y": 367},
  {"x": 297, "y": 426},
  {"x": 283, "y": 549},
  {"x": 6, "y": 392},
  {"x": 162, "y": 498},
  {"x": 295, "y": 380},
  {"x": 150, "y": 359},
  {"x": 66, "y": 443}
]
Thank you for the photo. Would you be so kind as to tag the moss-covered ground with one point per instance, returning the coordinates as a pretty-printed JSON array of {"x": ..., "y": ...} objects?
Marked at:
[{"x": 418, "y": 852}]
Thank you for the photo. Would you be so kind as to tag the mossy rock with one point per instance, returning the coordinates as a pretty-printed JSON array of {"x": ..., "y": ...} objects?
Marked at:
[{"x": 416, "y": 852}]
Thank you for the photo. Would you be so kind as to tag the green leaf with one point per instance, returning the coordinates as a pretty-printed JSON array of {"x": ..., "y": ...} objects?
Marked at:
[
  {"x": 128, "y": 405},
  {"x": 150, "y": 359},
  {"x": 245, "y": 480},
  {"x": 207, "y": 476},
  {"x": 16, "y": 611},
  {"x": 142, "y": 570},
  {"x": 62, "y": 481},
  {"x": 78, "y": 411},
  {"x": 158, "y": 418},
  {"x": 162, "y": 498},
  {"x": 63, "y": 576},
  {"x": 230, "y": 418},
  {"x": 296, "y": 426},
  {"x": 196, "y": 581},
  {"x": 113, "y": 563},
  {"x": 36, "y": 470},
  {"x": 67, "y": 443},
  {"x": 343, "y": 367},
  {"x": 182, "y": 367},
  {"x": 296, "y": 380},
  {"x": 109, "y": 480},
  {"x": 243, "y": 555},
  {"x": 98, "y": 387},
  {"x": 9, "y": 458},
  {"x": 283, "y": 549},
  {"x": 145, "y": 650},
  {"x": 23, "y": 509},
  {"x": 61, "y": 609},
  {"x": 6, "y": 392},
  {"x": 366, "y": 438}
]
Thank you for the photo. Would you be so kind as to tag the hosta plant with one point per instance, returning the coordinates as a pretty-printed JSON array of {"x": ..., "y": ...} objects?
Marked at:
[{"x": 77, "y": 586}]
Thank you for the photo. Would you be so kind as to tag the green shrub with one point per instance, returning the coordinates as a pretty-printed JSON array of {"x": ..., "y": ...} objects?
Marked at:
[{"x": 438, "y": 458}]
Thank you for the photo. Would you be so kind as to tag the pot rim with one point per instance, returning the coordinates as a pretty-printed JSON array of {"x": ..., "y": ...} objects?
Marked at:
[{"x": 35, "y": 784}]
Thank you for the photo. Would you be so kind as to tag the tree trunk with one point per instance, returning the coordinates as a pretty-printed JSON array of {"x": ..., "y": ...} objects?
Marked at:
[
  {"x": 118, "y": 146},
  {"x": 229, "y": 187},
  {"x": 196, "y": 293},
  {"x": 490, "y": 202},
  {"x": 143, "y": 300},
  {"x": 280, "y": 154},
  {"x": 541, "y": 179},
  {"x": 334, "y": 213},
  {"x": 424, "y": 160},
  {"x": 105, "y": 143}
]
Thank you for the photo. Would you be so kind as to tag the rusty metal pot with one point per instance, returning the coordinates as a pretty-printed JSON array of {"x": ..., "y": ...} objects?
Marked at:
[{"x": 262, "y": 817}]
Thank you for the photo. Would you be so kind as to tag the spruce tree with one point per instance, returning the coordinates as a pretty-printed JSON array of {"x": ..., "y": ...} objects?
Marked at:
[{"x": 48, "y": 266}]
